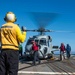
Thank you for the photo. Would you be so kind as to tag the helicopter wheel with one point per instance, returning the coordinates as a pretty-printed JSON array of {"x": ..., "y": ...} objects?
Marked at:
[{"x": 50, "y": 56}]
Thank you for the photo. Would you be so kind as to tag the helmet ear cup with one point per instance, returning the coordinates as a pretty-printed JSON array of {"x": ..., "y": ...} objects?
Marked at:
[
  {"x": 15, "y": 19},
  {"x": 5, "y": 18}
]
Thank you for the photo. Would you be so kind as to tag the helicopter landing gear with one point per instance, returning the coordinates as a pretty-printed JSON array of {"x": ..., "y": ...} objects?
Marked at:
[{"x": 50, "y": 56}]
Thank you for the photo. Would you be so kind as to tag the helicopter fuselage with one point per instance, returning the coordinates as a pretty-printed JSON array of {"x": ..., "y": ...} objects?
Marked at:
[{"x": 45, "y": 46}]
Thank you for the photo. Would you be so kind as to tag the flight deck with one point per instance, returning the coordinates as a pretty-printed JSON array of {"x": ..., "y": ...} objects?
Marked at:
[{"x": 48, "y": 67}]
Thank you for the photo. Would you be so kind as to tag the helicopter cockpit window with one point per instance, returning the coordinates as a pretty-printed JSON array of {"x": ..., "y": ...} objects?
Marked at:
[
  {"x": 37, "y": 41},
  {"x": 43, "y": 41},
  {"x": 29, "y": 42}
]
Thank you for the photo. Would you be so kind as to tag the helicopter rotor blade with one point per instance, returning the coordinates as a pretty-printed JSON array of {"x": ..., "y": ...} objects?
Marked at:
[
  {"x": 34, "y": 30},
  {"x": 65, "y": 31},
  {"x": 31, "y": 30},
  {"x": 46, "y": 30},
  {"x": 42, "y": 19},
  {"x": 60, "y": 31}
]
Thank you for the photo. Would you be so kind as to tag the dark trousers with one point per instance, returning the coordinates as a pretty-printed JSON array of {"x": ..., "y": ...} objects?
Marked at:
[
  {"x": 36, "y": 57},
  {"x": 20, "y": 52},
  {"x": 9, "y": 62},
  {"x": 68, "y": 54}
]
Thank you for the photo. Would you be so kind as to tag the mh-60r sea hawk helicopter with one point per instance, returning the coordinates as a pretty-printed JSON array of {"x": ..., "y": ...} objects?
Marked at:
[
  {"x": 45, "y": 45},
  {"x": 44, "y": 41}
]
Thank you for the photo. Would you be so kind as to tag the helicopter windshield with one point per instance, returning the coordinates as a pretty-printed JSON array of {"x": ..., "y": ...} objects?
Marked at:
[
  {"x": 43, "y": 41},
  {"x": 37, "y": 41},
  {"x": 29, "y": 41}
]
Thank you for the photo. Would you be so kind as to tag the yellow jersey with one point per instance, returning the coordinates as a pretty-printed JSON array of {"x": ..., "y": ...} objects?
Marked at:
[{"x": 11, "y": 36}]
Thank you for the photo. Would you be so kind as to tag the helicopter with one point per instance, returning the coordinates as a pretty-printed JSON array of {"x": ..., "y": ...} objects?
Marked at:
[
  {"x": 45, "y": 45},
  {"x": 46, "y": 49}
]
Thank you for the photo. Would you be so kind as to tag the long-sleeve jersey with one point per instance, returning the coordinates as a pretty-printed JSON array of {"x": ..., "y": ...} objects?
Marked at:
[
  {"x": 35, "y": 47},
  {"x": 62, "y": 47},
  {"x": 11, "y": 36}
]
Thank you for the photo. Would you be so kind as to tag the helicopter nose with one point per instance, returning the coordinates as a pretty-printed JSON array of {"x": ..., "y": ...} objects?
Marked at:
[{"x": 45, "y": 50}]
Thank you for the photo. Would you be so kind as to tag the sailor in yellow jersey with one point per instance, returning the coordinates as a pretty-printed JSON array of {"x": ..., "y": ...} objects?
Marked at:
[{"x": 10, "y": 37}]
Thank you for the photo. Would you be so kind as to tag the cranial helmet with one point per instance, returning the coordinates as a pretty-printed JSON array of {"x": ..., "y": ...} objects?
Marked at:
[{"x": 10, "y": 17}]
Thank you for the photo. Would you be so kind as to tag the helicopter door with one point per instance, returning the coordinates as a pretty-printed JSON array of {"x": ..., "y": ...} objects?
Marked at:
[{"x": 44, "y": 47}]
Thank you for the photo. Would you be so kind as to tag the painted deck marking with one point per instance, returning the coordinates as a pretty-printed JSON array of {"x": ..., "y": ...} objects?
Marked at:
[{"x": 32, "y": 72}]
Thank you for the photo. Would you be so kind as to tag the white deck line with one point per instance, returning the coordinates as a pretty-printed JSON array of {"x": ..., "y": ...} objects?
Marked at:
[{"x": 32, "y": 72}]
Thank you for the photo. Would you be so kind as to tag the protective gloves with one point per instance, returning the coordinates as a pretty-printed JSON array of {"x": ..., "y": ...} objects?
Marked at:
[{"x": 23, "y": 28}]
